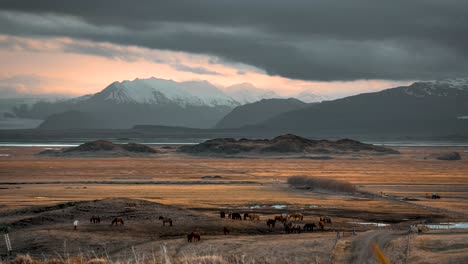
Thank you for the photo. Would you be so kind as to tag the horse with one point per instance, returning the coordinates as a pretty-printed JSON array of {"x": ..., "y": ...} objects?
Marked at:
[
  {"x": 95, "y": 219},
  {"x": 296, "y": 216},
  {"x": 321, "y": 225},
  {"x": 271, "y": 223},
  {"x": 194, "y": 236},
  {"x": 166, "y": 220},
  {"x": 222, "y": 214},
  {"x": 309, "y": 227},
  {"x": 246, "y": 215},
  {"x": 281, "y": 218},
  {"x": 236, "y": 216},
  {"x": 117, "y": 220},
  {"x": 226, "y": 231},
  {"x": 254, "y": 217},
  {"x": 326, "y": 219},
  {"x": 289, "y": 227}
]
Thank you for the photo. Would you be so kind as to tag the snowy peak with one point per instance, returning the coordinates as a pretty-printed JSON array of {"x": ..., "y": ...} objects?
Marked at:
[
  {"x": 445, "y": 87},
  {"x": 160, "y": 91},
  {"x": 309, "y": 97},
  {"x": 245, "y": 93}
]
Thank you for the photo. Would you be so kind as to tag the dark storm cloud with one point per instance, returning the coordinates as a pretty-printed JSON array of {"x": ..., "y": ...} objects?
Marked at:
[{"x": 311, "y": 40}]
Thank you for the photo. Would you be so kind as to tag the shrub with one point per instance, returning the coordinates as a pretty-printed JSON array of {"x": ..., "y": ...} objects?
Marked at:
[
  {"x": 23, "y": 259},
  {"x": 321, "y": 183}
]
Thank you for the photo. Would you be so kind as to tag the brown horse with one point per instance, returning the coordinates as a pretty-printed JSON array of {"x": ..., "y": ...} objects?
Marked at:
[
  {"x": 271, "y": 223},
  {"x": 326, "y": 219},
  {"x": 117, "y": 221},
  {"x": 166, "y": 220},
  {"x": 194, "y": 236},
  {"x": 226, "y": 231},
  {"x": 254, "y": 217},
  {"x": 281, "y": 218},
  {"x": 321, "y": 225},
  {"x": 297, "y": 216},
  {"x": 95, "y": 219}
]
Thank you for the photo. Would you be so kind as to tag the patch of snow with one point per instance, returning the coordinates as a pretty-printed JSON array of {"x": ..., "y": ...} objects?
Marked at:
[{"x": 279, "y": 206}]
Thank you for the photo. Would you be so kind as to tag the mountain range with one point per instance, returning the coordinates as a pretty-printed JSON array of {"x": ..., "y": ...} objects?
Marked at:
[
  {"x": 423, "y": 108},
  {"x": 258, "y": 112},
  {"x": 436, "y": 108},
  {"x": 141, "y": 101}
]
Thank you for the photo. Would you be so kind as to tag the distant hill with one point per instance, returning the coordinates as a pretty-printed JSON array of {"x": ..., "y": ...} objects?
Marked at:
[
  {"x": 421, "y": 109},
  {"x": 284, "y": 144},
  {"x": 102, "y": 148},
  {"x": 142, "y": 101},
  {"x": 258, "y": 112}
]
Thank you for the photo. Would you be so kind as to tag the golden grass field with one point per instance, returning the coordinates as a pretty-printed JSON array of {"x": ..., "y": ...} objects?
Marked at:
[{"x": 173, "y": 180}]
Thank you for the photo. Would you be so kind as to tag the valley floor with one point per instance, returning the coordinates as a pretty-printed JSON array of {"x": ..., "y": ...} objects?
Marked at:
[{"x": 40, "y": 197}]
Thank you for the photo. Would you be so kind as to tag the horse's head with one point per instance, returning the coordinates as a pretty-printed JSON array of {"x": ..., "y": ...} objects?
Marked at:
[{"x": 161, "y": 218}]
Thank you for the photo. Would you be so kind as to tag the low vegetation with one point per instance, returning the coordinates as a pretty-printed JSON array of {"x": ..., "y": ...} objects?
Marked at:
[
  {"x": 162, "y": 258},
  {"x": 321, "y": 183}
]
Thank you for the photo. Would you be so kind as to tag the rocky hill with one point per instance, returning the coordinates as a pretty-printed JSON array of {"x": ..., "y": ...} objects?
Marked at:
[
  {"x": 102, "y": 148},
  {"x": 284, "y": 144}
]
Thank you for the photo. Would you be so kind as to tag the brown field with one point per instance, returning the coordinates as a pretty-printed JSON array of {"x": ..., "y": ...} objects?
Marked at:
[{"x": 176, "y": 185}]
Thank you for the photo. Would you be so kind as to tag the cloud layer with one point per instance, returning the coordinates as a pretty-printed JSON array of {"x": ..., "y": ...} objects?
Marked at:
[{"x": 325, "y": 40}]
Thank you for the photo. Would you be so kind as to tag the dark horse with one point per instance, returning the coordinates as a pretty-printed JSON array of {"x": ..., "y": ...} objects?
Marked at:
[
  {"x": 309, "y": 227},
  {"x": 226, "y": 231},
  {"x": 117, "y": 220},
  {"x": 271, "y": 223},
  {"x": 194, "y": 236},
  {"x": 166, "y": 220},
  {"x": 236, "y": 216},
  {"x": 95, "y": 219},
  {"x": 222, "y": 214},
  {"x": 246, "y": 215}
]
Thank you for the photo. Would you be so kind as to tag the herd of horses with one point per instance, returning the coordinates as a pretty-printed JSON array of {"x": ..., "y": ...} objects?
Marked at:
[
  {"x": 289, "y": 222},
  {"x": 119, "y": 220}
]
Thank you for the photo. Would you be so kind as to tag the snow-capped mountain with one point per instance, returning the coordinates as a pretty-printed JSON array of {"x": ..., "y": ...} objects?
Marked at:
[
  {"x": 245, "y": 93},
  {"x": 141, "y": 101},
  {"x": 160, "y": 91},
  {"x": 308, "y": 97},
  {"x": 437, "y": 88}
]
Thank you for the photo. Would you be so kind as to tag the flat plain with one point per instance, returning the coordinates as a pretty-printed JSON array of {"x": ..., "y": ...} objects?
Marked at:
[{"x": 44, "y": 195}]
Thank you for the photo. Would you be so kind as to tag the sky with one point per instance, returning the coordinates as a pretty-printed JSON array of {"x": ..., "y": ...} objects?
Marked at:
[{"x": 329, "y": 47}]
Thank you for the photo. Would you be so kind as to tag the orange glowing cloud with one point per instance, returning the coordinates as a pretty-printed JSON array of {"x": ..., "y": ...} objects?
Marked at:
[{"x": 76, "y": 67}]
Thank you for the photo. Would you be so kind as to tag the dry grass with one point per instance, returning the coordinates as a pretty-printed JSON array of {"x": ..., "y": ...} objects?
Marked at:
[{"x": 320, "y": 183}]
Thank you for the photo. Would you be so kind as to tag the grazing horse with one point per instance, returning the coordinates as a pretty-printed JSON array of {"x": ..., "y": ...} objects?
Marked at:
[
  {"x": 236, "y": 216},
  {"x": 326, "y": 219},
  {"x": 321, "y": 225},
  {"x": 194, "y": 236},
  {"x": 166, "y": 220},
  {"x": 246, "y": 215},
  {"x": 95, "y": 219},
  {"x": 289, "y": 227},
  {"x": 117, "y": 220},
  {"x": 222, "y": 214},
  {"x": 271, "y": 223},
  {"x": 281, "y": 218},
  {"x": 309, "y": 227},
  {"x": 296, "y": 216},
  {"x": 254, "y": 217},
  {"x": 226, "y": 231}
]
